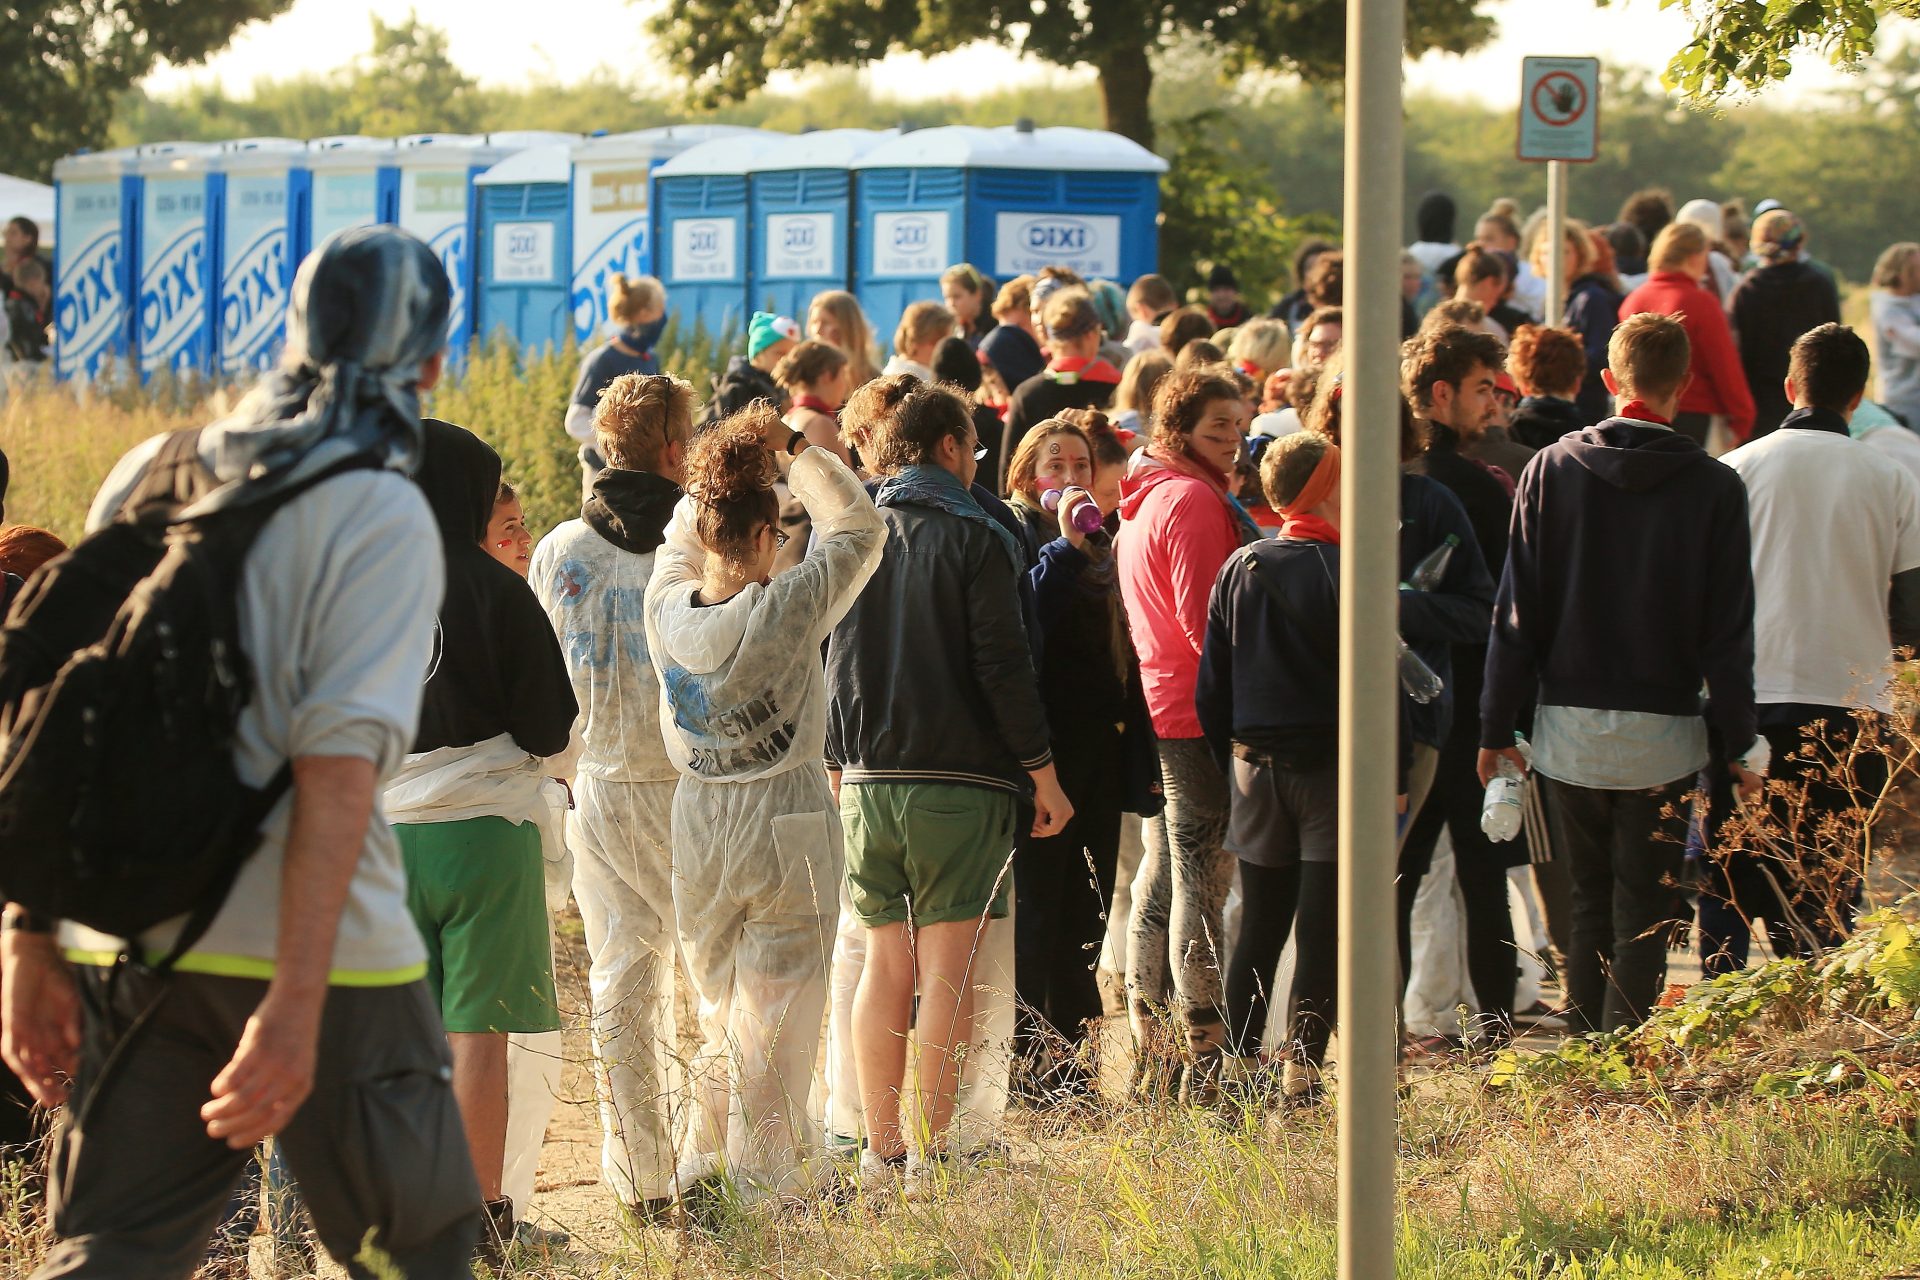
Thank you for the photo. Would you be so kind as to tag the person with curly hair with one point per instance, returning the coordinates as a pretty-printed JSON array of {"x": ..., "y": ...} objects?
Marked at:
[{"x": 756, "y": 841}]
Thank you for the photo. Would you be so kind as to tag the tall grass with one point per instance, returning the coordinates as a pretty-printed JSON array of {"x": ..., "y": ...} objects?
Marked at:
[{"x": 62, "y": 438}]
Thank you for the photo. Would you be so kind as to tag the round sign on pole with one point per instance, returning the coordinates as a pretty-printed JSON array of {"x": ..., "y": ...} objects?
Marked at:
[{"x": 1559, "y": 109}]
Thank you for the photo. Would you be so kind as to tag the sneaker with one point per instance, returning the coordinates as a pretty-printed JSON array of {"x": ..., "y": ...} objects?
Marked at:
[
  {"x": 880, "y": 1175},
  {"x": 540, "y": 1240},
  {"x": 927, "y": 1173}
]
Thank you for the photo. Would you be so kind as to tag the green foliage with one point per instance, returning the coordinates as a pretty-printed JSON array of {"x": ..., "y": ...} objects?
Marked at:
[
  {"x": 1745, "y": 44},
  {"x": 68, "y": 60},
  {"x": 408, "y": 83}
]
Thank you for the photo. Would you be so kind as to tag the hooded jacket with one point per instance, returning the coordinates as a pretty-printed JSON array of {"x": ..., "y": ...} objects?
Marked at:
[
  {"x": 1541, "y": 420},
  {"x": 739, "y": 387},
  {"x": 1719, "y": 382},
  {"x": 496, "y": 666},
  {"x": 1628, "y": 585}
]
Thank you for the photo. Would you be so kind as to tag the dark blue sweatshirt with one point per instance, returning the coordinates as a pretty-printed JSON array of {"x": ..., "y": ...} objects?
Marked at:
[{"x": 1628, "y": 585}]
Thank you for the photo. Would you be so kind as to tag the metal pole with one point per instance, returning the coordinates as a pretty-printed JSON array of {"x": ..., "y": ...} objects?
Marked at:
[
  {"x": 1557, "y": 228},
  {"x": 1369, "y": 624}
]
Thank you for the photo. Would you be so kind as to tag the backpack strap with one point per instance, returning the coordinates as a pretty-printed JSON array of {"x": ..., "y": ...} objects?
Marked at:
[{"x": 175, "y": 477}]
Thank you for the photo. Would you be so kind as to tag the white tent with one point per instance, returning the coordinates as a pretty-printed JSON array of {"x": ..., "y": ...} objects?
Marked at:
[{"x": 18, "y": 198}]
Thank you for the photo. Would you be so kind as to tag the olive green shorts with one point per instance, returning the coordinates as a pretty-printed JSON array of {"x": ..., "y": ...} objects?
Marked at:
[
  {"x": 476, "y": 889},
  {"x": 932, "y": 853}
]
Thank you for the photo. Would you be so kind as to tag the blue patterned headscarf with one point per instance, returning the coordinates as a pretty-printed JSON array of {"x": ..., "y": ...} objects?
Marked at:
[{"x": 369, "y": 308}]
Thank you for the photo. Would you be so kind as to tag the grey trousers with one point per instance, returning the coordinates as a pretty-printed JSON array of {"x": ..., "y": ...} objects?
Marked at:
[{"x": 137, "y": 1186}]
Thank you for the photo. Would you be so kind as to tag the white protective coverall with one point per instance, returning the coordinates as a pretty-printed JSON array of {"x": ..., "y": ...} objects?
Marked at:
[
  {"x": 594, "y": 592},
  {"x": 496, "y": 778},
  {"x": 757, "y": 858}
]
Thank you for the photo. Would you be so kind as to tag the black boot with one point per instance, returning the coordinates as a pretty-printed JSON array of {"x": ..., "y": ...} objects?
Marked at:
[{"x": 496, "y": 1233}]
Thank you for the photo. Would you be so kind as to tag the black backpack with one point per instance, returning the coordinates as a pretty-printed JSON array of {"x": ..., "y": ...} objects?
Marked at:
[{"x": 122, "y": 680}]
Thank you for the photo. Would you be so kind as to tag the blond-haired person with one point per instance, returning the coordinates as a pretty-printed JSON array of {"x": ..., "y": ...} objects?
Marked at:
[
  {"x": 923, "y": 327},
  {"x": 591, "y": 576},
  {"x": 637, "y": 313}
]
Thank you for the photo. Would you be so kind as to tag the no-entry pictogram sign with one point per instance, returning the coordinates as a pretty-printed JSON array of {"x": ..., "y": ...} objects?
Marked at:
[{"x": 1559, "y": 109}]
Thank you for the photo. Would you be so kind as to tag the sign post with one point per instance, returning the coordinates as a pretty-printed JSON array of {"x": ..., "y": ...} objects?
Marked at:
[{"x": 1559, "y": 125}]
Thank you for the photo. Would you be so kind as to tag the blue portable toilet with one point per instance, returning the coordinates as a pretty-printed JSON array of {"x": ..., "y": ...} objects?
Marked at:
[
  {"x": 262, "y": 206},
  {"x": 612, "y": 228},
  {"x": 436, "y": 202},
  {"x": 1009, "y": 200},
  {"x": 521, "y": 247},
  {"x": 350, "y": 182},
  {"x": 174, "y": 315},
  {"x": 97, "y": 204},
  {"x": 800, "y": 196},
  {"x": 702, "y": 229}
]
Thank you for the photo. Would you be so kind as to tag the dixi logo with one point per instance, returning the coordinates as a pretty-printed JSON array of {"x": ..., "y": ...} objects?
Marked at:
[
  {"x": 911, "y": 235},
  {"x": 253, "y": 302},
  {"x": 798, "y": 237},
  {"x": 1056, "y": 235},
  {"x": 703, "y": 240},
  {"x": 87, "y": 308},
  {"x": 523, "y": 244},
  {"x": 170, "y": 293}
]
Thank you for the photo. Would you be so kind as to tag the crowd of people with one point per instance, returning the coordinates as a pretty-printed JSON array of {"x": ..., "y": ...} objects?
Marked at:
[
  {"x": 26, "y": 293},
  {"x": 886, "y": 705}
]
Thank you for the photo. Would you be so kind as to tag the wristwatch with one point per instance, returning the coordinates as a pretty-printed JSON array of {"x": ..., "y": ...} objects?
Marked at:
[
  {"x": 17, "y": 919},
  {"x": 795, "y": 443}
]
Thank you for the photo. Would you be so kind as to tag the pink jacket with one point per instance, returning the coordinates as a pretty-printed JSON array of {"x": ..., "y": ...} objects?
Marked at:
[{"x": 1175, "y": 533}]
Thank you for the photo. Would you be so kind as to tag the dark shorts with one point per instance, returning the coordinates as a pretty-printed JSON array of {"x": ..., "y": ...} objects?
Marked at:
[
  {"x": 932, "y": 853},
  {"x": 1282, "y": 816}
]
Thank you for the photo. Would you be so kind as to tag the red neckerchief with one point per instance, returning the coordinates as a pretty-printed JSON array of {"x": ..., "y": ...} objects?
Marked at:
[
  {"x": 816, "y": 404},
  {"x": 1252, "y": 370},
  {"x": 1638, "y": 411},
  {"x": 1082, "y": 369},
  {"x": 1309, "y": 528}
]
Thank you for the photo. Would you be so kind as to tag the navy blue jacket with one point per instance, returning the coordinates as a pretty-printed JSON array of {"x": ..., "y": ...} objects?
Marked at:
[
  {"x": 1458, "y": 612},
  {"x": 1593, "y": 312},
  {"x": 1628, "y": 584}
]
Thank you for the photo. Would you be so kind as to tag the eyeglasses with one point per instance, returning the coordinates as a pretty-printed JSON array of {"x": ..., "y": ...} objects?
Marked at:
[
  {"x": 980, "y": 454},
  {"x": 781, "y": 539}
]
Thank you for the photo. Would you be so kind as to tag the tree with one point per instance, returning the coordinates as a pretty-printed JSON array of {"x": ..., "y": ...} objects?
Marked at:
[
  {"x": 1746, "y": 43},
  {"x": 727, "y": 48},
  {"x": 408, "y": 84},
  {"x": 68, "y": 61}
]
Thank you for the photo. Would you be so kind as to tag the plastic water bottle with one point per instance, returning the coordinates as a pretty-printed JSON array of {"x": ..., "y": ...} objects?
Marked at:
[
  {"x": 1086, "y": 517},
  {"x": 1500, "y": 815},
  {"x": 1417, "y": 678}
]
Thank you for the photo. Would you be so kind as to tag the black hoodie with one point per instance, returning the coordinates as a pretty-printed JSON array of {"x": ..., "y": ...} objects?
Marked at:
[
  {"x": 497, "y": 666},
  {"x": 1628, "y": 585},
  {"x": 1539, "y": 421}
]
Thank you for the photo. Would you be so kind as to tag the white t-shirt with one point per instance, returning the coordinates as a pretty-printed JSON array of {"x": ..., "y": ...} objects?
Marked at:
[{"x": 1833, "y": 521}]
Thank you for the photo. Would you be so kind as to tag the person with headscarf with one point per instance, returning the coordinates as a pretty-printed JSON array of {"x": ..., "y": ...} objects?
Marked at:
[
  {"x": 303, "y": 1011},
  {"x": 468, "y": 804}
]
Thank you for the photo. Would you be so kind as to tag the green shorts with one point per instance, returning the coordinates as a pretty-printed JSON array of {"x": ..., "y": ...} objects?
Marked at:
[
  {"x": 932, "y": 853},
  {"x": 477, "y": 891}
]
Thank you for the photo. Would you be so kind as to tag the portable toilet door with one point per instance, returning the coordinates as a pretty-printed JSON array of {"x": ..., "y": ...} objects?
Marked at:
[
  {"x": 704, "y": 233},
  {"x": 262, "y": 200},
  {"x": 523, "y": 248},
  {"x": 436, "y": 203},
  {"x": 350, "y": 183},
  {"x": 1009, "y": 200},
  {"x": 178, "y": 227},
  {"x": 612, "y": 226},
  {"x": 97, "y": 213},
  {"x": 801, "y": 199}
]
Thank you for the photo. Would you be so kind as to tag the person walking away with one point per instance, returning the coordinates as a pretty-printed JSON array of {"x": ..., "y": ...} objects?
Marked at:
[
  {"x": 1778, "y": 301},
  {"x": 750, "y": 377},
  {"x": 958, "y": 365},
  {"x": 1013, "y": 348},
  {"x": 1178, "y": 526},
  {"x": 756, "y": 848},
  {"x": 1717, "y": 385},
  {"x": 1720, "y": 278},
  {"x": 930, "y": 780},
  {"x": 1618, "y": 656},
  {"x": 1260, "y": 348},
  {"x": 1102, "y": 744},
  {"x": 1448, "y": 375},
  {"x": 1150, "y": 300},
  {"x": 638, "y": 306},
  {"x": 1226, "y": 309},
  {"x": 1486, "y": 277},
  {"x": 1896, "y": 330},
  {"x": 1267, "y": 696},
  {"x": 923, "y": 327},
  {"x": 1836, "y": 576},
  {"x": 1075, "y": 378},
  {"x": 590, "y": 576},
  {"x": 1549, "y": 366},
  {"x": 1434, "y": 221},
  {"x": 969, "y": 295},
  {"x": 302, "y": 1012},
  {"x": 835, "y": 318},
  {"x": 466, "y": 800},
  {"x": 1592, "y": 310}
]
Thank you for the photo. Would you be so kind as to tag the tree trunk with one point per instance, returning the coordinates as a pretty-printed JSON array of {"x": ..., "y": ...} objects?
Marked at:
[{"x": 1126, "y": 82}]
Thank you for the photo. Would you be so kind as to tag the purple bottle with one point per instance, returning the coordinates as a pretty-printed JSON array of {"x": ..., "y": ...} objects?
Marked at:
[{"x": 1086, "y": 517}]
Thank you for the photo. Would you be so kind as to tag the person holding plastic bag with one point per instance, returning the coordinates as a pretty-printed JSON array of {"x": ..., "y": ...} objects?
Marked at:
[{"x": 756, "y": 837}]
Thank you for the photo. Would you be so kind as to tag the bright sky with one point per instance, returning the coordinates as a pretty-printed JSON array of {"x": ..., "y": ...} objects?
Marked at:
[{"x": 572, "y": 37}]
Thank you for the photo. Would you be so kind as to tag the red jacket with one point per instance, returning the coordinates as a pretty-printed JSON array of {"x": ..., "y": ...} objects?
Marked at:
[
  {"x": 1719, "y": 380},
  {"x": 1175, "y": 532}
]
